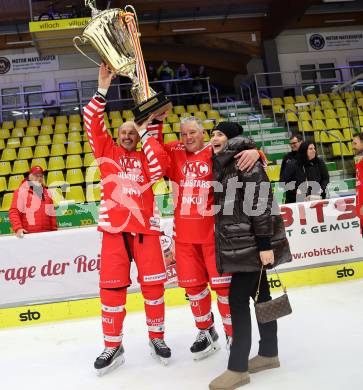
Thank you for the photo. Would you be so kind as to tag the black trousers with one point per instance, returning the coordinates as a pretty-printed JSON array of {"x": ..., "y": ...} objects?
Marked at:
[{"x": 243, "y": 287}]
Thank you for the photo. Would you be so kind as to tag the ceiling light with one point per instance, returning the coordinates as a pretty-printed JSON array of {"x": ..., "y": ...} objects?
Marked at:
[
  {"x": 188, "y": 29},
  {"x": 339, "y": 20},
  {"x": 19, "y": 43}
]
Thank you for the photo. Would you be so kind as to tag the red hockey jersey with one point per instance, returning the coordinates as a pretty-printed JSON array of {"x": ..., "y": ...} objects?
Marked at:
[
  {"x": 191, "y": 174},
  {"x": 127, "y": 201}
]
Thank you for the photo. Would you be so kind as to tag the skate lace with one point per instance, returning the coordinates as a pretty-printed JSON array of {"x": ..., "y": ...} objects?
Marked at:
[
  {"x": 160, "y": 343},
  {"x": 201, "y": 336},
  {"x": 107, "y": 353}
]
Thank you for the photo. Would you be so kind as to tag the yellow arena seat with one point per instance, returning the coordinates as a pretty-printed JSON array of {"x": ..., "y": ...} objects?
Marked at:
[
  {"x": 55, "y": 179},
  {"x": 186, "y": 115},
  {"x": 74, "y": 161},
  {"x": 6, "y": 203},
  {"x": 17, "y": 132},
  {"x": 318, "y": 125},
  {"x": 89, "y": 160},
  {"x": 13, "y": 143},
  {"x": 212, "y": 114},
  {"x": 4, "y": 133},
  {"x": 61, "y": 119},
  {"x": 44, "y": 140},
  {"x": 58, "y": 150},
  {"x": 34, "y": 122},
  {"x": 208, "y": 124},
  {"x": 41, "y": 151},
  {"x": 25, "y": 153},
  {"x": 332, "y": 124},
  {"x": 93, "y": 174},
  {"x": 289, "y": 100},
  {"x": 93, "y": 192},
  {"x": 178, "y": 110},
  {"x": 74, "y": 126},
  {"x": 172, "y": 118},
  {"x": 317, "y": 115},
  {"x": 56, "y": 163},
  {"x": 204, "y": 107},
  {"x": 192, "y": 108},
  {"x": 76, "y": 194},
  {"x": 300, "y": 99},
  {"x": 170, "y": 138},
  {"x": 265, "y": 102},
  {"x": 74, "y": 148},
  {"x": 326, "y": 105},
  {"x": 200, "y": 115},
  {"x": 127, "y": 115},
  {"x": 277, "y": 102},
  {"x": 176, "y": 127},
  {"x": 8, "y": 125},
  {"x": 74, "y": 136},
  {"x": 87, "y": 147},
  {"x": 32, "y": 131},
  {"x": 346, "y": 149},
  {"x": 14, "y": 182},
  {"x": 334, "y": 96},
  {"x": 57, "y": 195},
  {"x": 116, "y": 122},
  {"x": 114, "y": 115},
  {"x": 338, "y": 104},
  {"x": 273, "y": 172},
  {"x": 330, "y": 114},
  {"x": 2, "y": 144},
  {"x": 28, "y": 141},
  {"x": 20, "y": 166},
  {"x": 75, "y": 118},
  {"x": 304, "y": 116},
  {"x": 48, "y": 120},
  {"x": 305, "y": 126},
  {"x": 60, "y": 128},
  {"x": 59, "y": 139},
  {"x": 166, "y": 128},
  {"x": 40, "y": 161},
  {"x": 5, "y": 168},
  {"x": 3, "y": 185},
  {"x": 46, "y": 130},
  {"x": 8, "y": 155},
  {"x": 74, "y": 176},
  {"x": 311, "y": 97},
  {"x": 21, "y": 123}
]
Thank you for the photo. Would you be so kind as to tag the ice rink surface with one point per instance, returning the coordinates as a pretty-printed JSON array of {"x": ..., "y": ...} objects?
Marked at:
[{"x": 321, "y": 348}]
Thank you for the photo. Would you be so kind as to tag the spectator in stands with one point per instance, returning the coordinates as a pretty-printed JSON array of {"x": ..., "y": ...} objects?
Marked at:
[
  {"x": 244, "y": 241},
  {"x": 199, "y": 84},
  {"x": 182, "y": 73},
  {"x": 32, "y": 209},
  {"x": 295, "y": 142},
  {"x": 357, "y": 146},
  {"x": 309, "y": 174},
  {"x": 165, "y": 72},
  {"x": 151, "y": 73}
]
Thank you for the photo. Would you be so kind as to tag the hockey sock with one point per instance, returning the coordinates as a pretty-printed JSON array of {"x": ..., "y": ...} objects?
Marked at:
[
  {"x": 224, "y": 310},
  {"x": 154, "y": 309},
  {"x": 113, "y": 314},
  {"x": 200, "y": 303}
]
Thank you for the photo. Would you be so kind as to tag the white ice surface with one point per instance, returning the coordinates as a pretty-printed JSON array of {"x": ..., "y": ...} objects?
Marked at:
[{"x": 321, "y": 347}]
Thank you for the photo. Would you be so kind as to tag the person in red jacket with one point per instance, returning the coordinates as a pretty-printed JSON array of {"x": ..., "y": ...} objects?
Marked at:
[
  {"x": 32, "y": 209},
  {"x": 191, "y": 174},
  {"x": 357, "y": 146},
  {"x": 130, "y": 226}
]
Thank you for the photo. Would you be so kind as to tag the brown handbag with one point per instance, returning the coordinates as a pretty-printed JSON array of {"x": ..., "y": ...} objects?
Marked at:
[{"x": 273, "y": 309}]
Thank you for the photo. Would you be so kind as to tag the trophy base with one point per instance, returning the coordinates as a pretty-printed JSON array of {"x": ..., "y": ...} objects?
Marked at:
[{"x": 157, "y": 104}]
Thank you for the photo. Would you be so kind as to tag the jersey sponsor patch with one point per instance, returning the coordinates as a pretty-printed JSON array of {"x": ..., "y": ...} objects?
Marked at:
[
  {"x": 195, "y": 169},
  {"x": 222, "y": 280},
  {"x": 130, "y": 163},
  {"x": 154, "y": 221},
  {"x": 154, "y": 278}
]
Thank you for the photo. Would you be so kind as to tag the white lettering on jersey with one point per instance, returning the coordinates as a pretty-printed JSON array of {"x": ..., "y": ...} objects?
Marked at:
[{"x": 195, "y": 169}]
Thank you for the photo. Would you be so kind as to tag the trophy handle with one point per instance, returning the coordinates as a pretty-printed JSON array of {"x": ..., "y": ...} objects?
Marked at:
[
  {"x": 83, "y": 41},
  {"x": 133, "y": 11}
]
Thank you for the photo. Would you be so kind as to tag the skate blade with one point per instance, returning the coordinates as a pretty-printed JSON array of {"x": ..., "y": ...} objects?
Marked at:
[
  {"x": 213, "y": 348},
  {"x": 119, "y": 361},
  {"x": 163, "y": 361}
]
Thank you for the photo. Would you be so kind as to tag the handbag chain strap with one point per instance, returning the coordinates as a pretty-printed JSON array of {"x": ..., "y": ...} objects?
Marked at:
[{"x": 259, "y": 283}]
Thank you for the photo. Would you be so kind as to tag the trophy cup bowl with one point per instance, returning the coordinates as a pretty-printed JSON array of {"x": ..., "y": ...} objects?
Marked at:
[{"x": 115, "y": 36}]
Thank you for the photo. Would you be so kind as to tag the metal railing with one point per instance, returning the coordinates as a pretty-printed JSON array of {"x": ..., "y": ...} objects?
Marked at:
[{"x": 185, "y": 91}]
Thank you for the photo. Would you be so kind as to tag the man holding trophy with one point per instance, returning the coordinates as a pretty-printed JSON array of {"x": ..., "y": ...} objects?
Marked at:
[{"x": 126, "y": 217}]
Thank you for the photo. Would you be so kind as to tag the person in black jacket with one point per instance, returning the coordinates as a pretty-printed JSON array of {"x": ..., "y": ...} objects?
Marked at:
[
  {"x": 308, "y": 174},
  {"x": 249, "y": 234},
  {"x": 295, "y": 142}
]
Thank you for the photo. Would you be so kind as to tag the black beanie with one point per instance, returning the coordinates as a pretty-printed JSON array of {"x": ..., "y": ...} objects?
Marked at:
[{"x": 229, "y": 129}]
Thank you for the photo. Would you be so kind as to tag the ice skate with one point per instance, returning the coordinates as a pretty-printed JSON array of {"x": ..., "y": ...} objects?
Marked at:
[
  {"x": 160, "y": 351},
  {"x": 205, "y": 344},
  {"x": 228, "y": 344},
  {"x": 110, "y": 358}
]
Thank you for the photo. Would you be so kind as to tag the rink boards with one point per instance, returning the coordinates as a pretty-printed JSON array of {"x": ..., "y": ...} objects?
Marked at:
[
  {"x": 59, "y": 311},
  {"x": 60, "y": 281}
]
